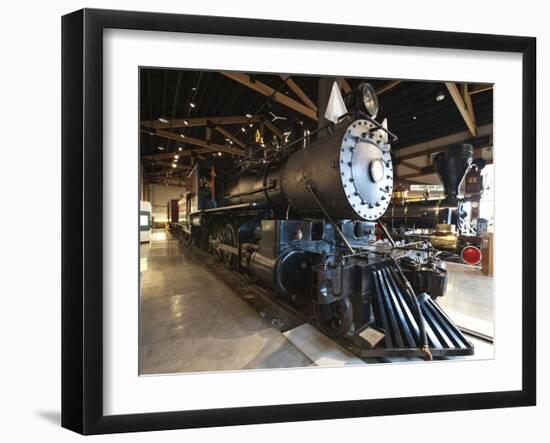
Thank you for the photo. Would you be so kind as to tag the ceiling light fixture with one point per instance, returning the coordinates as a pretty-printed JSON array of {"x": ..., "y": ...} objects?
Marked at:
[
  {"x": 161, "y": 148},
  {"x": 219, "y": 154},
  {"x": 176, "y": 157},
  {"x": 173, "y": 165},
  {"x": 192, "y": 104},
  {"x": 248, "y": 116},
  {"x": 440, "y": 96},
  {"x": 243, "y": 129},
  {"x": 186, "y": 123},
  {"x": 182, "y": 135},
  {"x": 163, "y": 120},
  {"x": 180, "y": 149}
]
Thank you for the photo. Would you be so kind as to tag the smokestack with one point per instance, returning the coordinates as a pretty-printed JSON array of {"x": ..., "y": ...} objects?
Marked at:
[{"x": 451, "y": 166}]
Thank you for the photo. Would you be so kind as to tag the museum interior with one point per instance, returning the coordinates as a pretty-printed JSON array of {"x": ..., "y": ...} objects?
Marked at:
[{"x": 293, "y": 221}]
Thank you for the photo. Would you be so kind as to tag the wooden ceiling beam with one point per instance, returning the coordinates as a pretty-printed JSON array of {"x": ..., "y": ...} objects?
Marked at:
[
  {"x": 195, "y": 141},
  {"x": 170, "y": 181},
  {"x": 273, "y": 128},
  {"x": 428, "y": 152},
  {"x": 432, "y": 146},
  {"x": 230, "y": 136},
  {"x": 169, "y": 165},
  {"x": 459, "y": 102},
  {"x": 201, "y": 121},
  {"x": 474, "y": 89},
  {"x": 244, "y": 79},
  {"x": 387, "y": 86},
  {"x": 407, "y": 164},
  {"x": 468, "y": 102},
  {"x": 299, "y": 92},
  {"x": 345, "y": 86},
  {"x": 428, "y": 170},
  {"x": 413, "y": 175},
  {"x": 171, "y": 154}
]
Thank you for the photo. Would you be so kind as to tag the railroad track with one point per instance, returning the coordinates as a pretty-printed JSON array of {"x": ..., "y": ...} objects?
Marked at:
[{"x": 285, "y": 317}]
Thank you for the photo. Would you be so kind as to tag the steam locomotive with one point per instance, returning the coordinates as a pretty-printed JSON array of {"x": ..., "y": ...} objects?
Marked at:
[
  {"x": 304, "y": 220},
  {"x": 442, "y": 221}
]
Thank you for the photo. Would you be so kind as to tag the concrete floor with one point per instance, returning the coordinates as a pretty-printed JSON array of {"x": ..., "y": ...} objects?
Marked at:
[
  {"x": 192, "y": 322},
  {"x": 469, "y": 298}
]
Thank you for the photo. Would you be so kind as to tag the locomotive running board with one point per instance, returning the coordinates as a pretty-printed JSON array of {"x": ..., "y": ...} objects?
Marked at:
[{"x": 393, "y": 314}]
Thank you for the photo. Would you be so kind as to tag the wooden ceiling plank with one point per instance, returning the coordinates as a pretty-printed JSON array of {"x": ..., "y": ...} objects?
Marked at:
[
  {"x": 273, "y": 128},
  {"x": 461, "y": 106},
  {"x": 468, "y": 102},
  {"x": 266, "y": 90},
  {"x": 171, "y": 154},
  {"x": 428, "y": 152},
  {"x": 345, "y": 86},
  {"x": 299, "y": 92},
  {"x": 409, "y": 165},
  {"x": 230, "y": 136},
  {"x": 201, "y": 121},
  {"x": 426, "y": 171},
  {"x": 169, "y": 165},
  {"x": 438, "y": 144},
  {"x": 474, "y": 89},
  {"x": 388, "y": 86},
  {"x": 195, "y": 141}
]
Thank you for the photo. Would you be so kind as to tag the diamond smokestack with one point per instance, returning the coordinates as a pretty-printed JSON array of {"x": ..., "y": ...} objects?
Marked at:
[{"x": 451, "y": 165}]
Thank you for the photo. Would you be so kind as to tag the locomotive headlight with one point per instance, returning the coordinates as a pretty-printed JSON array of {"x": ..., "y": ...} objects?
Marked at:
[
  {"x": 369, "y": 98},
  {"x": 376, "y": 170}
]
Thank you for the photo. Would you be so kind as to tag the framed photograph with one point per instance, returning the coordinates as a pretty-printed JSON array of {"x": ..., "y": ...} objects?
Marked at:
[{"x": 270, "y": 221}]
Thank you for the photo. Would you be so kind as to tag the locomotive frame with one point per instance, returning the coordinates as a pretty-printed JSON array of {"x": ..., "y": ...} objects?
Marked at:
[
  {"x": 82, "y": 233},
  {"x": 303, "y": 224}
]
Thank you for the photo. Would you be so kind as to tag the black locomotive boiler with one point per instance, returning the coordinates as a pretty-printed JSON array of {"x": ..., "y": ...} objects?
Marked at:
[{"x": 302, "y": 220}]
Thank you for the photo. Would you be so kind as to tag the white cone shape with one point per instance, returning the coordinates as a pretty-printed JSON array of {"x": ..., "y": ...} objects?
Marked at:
[{"x": 336, "y": 106}]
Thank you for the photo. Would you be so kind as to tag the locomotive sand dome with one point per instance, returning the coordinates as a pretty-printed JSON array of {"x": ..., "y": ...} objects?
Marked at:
[{"x": 353, "y": 178}]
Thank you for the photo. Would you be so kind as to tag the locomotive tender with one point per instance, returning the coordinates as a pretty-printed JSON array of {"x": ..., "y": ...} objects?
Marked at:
[{"x": 302, "y": 220}]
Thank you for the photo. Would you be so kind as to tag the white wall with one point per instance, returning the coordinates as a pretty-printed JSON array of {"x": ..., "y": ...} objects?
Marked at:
[
  {"x": 159, "y": 195},
  {"x": 30, "y": 271}
]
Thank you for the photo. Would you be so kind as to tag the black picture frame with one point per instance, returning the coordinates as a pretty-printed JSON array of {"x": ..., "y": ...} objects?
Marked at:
[{"x": 82, "y": 259}]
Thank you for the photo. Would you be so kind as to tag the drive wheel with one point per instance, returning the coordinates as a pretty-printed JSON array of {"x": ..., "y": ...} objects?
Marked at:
[
  {"x": 336, "y": 318},
  {"x": 216, "y": 235},
  {"x": 229, "y": 237}
]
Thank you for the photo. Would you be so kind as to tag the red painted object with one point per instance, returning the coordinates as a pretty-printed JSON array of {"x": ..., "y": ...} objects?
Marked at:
[
  {"x": 172, "y": 211},
  {"x": 471, "y": 255}
]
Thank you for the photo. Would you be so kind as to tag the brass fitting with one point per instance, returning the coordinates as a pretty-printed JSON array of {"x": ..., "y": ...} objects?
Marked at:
[{"x": 427, "y": 354}]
